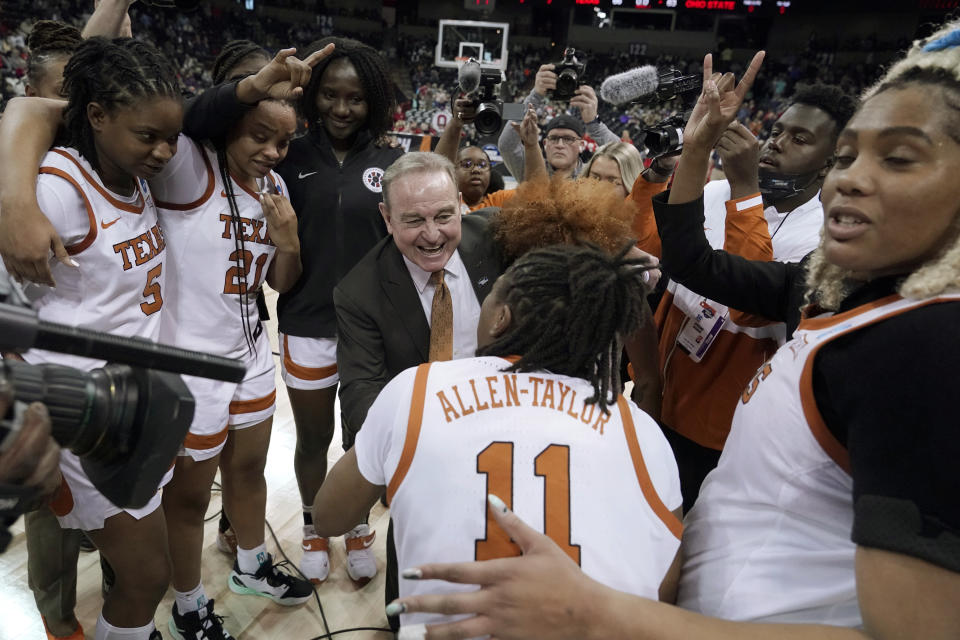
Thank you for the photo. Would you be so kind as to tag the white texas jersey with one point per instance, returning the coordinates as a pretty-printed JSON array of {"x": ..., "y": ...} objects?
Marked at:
[
  {"x": 442, "y": 436},
  {"x": 119, "y": 285},
  {"x": 793, "y": 235},
  {"x": 769, "y": 537},
  {"x": 206, "y": 264}
]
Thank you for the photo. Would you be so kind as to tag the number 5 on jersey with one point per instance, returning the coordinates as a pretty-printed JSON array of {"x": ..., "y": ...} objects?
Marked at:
[
  {"x": 151, "y": 292},
  {"x": 553, "y": 465}
]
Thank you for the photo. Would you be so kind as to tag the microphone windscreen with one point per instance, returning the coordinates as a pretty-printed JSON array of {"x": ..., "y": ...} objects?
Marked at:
[
  {"x": 469, "y": 76},
  {"x": 630, "y": 85}
]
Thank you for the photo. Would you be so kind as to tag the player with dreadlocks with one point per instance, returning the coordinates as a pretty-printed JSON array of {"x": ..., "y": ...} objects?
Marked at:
[
  {"x": 334, "y": 175},
  {"x": 541, "y": 401},
  {"x": 122, "y": 120}
]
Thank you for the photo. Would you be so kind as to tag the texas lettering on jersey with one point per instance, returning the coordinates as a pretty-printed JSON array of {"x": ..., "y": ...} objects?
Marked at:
[
  {"x": 140, "y": 249},
  {"x": 506, "y": 390},
  {"x": 254, "y": 230}
]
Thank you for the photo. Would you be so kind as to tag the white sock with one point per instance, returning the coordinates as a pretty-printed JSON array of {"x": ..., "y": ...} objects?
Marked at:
[
  {"x": 192, "y": 600},
  {"x": 249, "y": 560},
  {"x": 106, "y": 631}
]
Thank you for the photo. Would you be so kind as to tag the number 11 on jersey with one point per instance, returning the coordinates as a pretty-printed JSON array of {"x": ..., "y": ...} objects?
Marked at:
[{"x": 553, "y": 465}]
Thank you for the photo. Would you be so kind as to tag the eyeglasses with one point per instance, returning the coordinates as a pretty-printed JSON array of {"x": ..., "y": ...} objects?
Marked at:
[
  {"x": 469, "y": 164},
  {"x": 561, "y": 140}
]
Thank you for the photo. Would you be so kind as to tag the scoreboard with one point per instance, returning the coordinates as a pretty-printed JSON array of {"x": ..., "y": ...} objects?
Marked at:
[
  {"x": 766, "y": 7},
  {"x": 731, "y": 6}
]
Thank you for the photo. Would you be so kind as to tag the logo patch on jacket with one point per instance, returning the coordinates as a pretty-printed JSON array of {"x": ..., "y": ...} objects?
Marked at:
[{"x": 373, "y": 179}]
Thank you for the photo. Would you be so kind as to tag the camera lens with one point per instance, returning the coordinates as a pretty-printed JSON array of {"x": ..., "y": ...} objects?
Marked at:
[
  {"x": 90, "y": 412},
  {"x": 488, "y": 119},
  {"x": 566, "y": 84},
  {"x": 663, "y": 140}
]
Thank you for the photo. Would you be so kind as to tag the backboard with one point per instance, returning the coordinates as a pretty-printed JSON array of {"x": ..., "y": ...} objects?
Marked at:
[{"x": 459, "y": 40}]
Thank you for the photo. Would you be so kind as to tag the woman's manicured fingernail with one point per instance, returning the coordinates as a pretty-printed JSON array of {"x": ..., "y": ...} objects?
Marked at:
[
  {"x": 412, "y": 574},
  {"x": 497, "y": 503},
  {"x": 395, "y": 608}
]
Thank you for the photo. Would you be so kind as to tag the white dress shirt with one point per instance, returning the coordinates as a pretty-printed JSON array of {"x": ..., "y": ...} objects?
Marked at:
[{"x": 466, "y": 307}]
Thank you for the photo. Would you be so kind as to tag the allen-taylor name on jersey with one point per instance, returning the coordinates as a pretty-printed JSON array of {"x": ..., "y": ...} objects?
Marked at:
[{"x": 509, "y": 390}]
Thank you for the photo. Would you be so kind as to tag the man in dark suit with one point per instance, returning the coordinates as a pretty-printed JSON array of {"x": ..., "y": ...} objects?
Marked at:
[
  {"x": 416, "y": 296},
  {"x": 384, "y": 305}
]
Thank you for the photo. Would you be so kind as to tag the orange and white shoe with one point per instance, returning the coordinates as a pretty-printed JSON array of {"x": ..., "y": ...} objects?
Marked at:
[
  {"x": 315, "y": 562},
  {"x": 361, "y": 561},
  {"x": 76, "y": 635}
]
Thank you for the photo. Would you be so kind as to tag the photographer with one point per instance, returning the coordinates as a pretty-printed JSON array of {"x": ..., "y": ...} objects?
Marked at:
[
  {"x": 564, "y": 134},
  {"x": 473, "y": 164}
]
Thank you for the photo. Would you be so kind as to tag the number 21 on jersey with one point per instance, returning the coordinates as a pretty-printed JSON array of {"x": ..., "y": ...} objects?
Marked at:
[
  {"x": 553, "y": 465},
  {"x": 234, "y": 280}
]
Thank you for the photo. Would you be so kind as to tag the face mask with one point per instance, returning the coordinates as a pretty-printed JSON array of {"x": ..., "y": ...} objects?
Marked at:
[{"x": 777, "y": 186}]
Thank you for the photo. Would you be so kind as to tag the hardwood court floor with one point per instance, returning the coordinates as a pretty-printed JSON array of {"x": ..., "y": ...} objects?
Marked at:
[{"x": 344, "y": 604}]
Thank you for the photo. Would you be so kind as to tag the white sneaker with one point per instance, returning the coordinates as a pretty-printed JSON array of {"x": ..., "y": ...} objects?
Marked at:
[
  {"x": 361, "y": 561},
  {"x": 315, "y": 563}
]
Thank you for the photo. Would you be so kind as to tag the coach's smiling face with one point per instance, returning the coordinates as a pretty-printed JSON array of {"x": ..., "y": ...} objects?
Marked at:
[{"x": 423, "y": 216}]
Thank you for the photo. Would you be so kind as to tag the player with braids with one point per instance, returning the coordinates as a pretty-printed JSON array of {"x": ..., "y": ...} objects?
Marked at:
[
  {"x": 334, "y": 177},
  {"x": 237, "y": 60},
  {"x": 541, "y": 399},
  {"x": 833, "y": 512},
  {"x": 588, "y": 302},
  {"x": 129, "y": 70},
  {"x": 230, "y": 231},
  {"x": 51, "y": 44},
  {"x": 122, "y": 120}
]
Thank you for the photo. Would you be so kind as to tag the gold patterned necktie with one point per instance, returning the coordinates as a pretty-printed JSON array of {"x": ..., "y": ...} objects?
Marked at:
[{"x": 441, "y": 320}]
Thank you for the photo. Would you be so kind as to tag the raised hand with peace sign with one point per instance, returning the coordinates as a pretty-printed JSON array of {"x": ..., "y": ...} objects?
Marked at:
[
  {"x": 716, "y": 108},
  {"x": 283, "y": 78}
]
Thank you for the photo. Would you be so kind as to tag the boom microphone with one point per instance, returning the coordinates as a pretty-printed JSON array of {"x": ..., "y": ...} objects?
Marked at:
[
  {"x": 648, "y": 84},
  {"x": 469, "y": 76},
  {"x": 22, "y": 329}
]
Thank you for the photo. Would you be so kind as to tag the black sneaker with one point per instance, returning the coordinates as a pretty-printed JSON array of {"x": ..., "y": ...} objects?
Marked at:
[
  {"x": 156, "y": 635},
  {"x": 271, "y": 582},
  {"x": 203, "y": 624}
]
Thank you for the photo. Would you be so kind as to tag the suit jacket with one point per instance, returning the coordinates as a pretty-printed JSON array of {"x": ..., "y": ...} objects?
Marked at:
[{"x": 381, "y": 327}]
